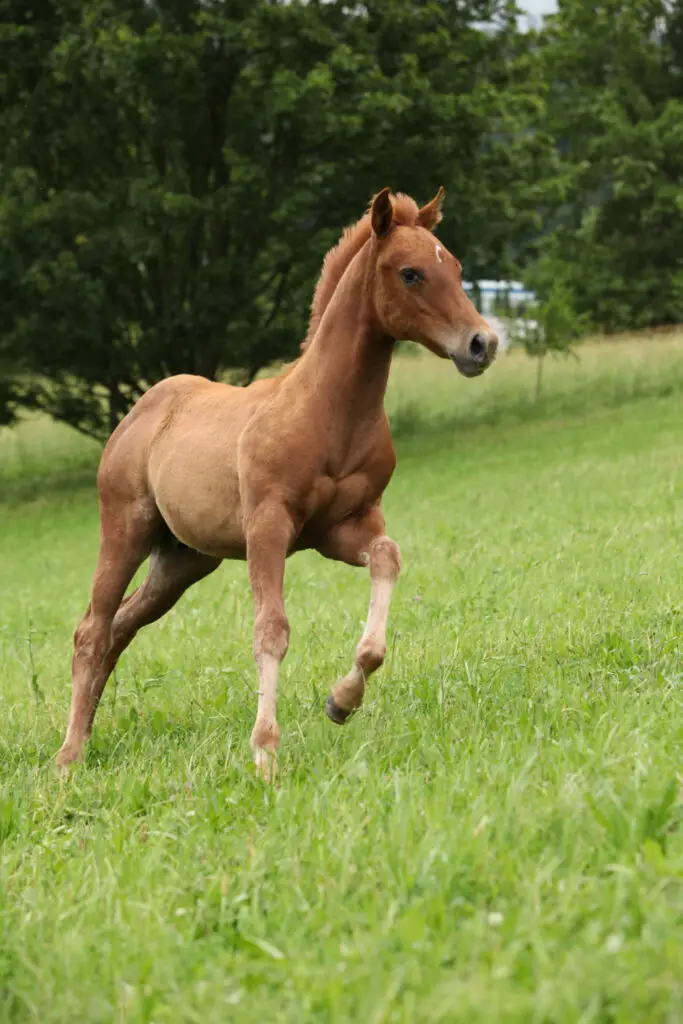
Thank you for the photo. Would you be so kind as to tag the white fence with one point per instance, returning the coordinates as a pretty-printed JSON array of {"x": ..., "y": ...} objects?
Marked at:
[{"x": 489, "y": 293}]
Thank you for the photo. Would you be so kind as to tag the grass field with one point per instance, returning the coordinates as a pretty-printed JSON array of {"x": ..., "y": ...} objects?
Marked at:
[{"x": 494, "y": 837}]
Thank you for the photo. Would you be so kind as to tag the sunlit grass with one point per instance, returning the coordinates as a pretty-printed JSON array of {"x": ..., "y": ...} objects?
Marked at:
[{"x": 495, "y": 837}]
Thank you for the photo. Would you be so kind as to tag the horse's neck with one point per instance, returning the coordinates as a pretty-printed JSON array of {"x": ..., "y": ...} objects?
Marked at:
[{"x": 349, "y": 358}]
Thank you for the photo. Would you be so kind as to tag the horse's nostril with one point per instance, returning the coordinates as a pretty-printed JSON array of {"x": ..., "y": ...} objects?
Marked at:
[{"x": 478, "y": 349}]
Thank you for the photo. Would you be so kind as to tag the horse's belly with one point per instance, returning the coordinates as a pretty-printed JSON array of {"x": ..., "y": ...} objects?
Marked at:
[{"x": 199, "y": 499}]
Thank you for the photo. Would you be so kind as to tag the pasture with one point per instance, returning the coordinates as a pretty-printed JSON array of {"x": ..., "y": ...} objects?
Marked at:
[{"x": 495, "y": 836}]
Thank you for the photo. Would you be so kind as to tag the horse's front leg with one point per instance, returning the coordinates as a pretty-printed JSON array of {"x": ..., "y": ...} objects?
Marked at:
[
  {"x": 269, "y": 534},
  {"x": 362, "y": 541}
]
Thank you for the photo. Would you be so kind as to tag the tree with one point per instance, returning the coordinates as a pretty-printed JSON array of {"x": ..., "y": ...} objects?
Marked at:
[
  {"x": 615, "y": 78},
  {"x": 173, "y": 172},
  {"x": 548, "y": 327}
]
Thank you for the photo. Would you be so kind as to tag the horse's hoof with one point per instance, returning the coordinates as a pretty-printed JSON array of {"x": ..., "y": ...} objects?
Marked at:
[
  {"x": 335, "y": 713},
  {"x": 265, "y": 762},
  {"x": 66, "y": 759}
]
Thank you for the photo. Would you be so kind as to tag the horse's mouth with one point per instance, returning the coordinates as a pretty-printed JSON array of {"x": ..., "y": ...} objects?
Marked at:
[{"x": 468, "y": 367}]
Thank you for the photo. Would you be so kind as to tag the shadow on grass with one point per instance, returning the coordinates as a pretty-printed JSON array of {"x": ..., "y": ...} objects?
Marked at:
[{"x": 56, "y": 482}]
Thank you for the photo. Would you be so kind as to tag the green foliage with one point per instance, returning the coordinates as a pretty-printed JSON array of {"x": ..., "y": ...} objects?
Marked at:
[
  {"x": 551, "y": 326},
  {"x": 172, "y": 173},
  {"x": 615, "y": 106},
  {"x": 561, "y": 325}
]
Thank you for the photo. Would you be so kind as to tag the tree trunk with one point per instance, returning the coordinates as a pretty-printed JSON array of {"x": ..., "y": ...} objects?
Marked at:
[
  {"x": 115, "y": 402},
  {"x": 539, "y": 377}
]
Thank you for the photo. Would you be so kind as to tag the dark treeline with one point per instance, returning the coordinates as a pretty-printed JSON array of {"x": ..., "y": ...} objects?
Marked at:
[{"x": 172, "y": 172}]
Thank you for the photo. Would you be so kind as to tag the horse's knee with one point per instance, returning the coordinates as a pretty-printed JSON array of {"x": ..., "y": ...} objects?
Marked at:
[
  {"x": 385, "y": 559},
  {"x": 271, "y": 634},
  {"x": 265, "y": 735},
  {"x": 83, "y": 639},
  {"x": 79, "y": 636},
  {"x": 370, "y": 654},
  {"x": 91, "y": 637}
]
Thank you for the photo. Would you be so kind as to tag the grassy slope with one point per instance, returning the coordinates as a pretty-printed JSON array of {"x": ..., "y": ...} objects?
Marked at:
[{"x": 494, "y": 837}]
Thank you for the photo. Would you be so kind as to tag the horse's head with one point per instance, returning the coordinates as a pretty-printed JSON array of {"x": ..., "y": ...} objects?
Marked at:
[{"x": 418, "y": 292}]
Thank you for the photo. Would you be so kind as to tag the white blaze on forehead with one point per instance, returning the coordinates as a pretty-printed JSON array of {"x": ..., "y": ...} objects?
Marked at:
[{"x": 438, "y": 254}]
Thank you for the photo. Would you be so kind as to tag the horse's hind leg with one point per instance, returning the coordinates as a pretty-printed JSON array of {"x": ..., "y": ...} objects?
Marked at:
[
  {"x": 126, "y": 539},
  {"x": 172, "y": 570},
  {"x": 364, "y": 542}
]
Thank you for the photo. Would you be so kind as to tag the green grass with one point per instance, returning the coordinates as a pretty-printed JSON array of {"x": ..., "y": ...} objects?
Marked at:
[{"x": 496, "y": 836}]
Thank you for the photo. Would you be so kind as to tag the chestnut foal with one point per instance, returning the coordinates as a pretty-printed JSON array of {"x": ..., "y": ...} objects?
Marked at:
[{"x": 200, "y": 471}]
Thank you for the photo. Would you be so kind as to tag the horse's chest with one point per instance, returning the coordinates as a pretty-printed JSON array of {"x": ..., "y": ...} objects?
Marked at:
[
  {"x": 352, "y": 493},
  {"x": 335, "y": 500}
]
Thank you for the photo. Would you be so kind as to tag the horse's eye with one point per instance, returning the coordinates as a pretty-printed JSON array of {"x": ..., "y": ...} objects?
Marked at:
[{"x": 410, "y": 276}]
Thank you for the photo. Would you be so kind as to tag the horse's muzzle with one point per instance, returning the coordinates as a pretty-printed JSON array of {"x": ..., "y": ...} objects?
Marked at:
[
  {"x": 480, "y": 353},
  {"x": 467, "y": 368}
]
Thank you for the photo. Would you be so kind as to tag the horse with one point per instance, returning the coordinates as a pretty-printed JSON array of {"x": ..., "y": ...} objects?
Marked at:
[{"x": 199, "y": 471}]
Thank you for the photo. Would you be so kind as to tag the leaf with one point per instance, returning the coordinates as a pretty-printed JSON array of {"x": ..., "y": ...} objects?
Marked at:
[
  {"x": 38, "y": 694},
  {"x": 265, "y": 947},
  {"x": 662, "y": 815}
]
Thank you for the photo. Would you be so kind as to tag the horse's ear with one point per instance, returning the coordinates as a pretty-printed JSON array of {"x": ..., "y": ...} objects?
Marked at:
[
  {"x": 382, "y": 213},
  {"x": 430, "y": 215}
]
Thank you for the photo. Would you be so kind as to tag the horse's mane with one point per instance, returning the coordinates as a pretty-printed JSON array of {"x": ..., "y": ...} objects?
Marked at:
[{"x": 339, "y": 256}]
